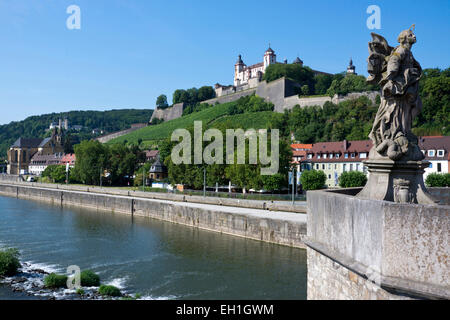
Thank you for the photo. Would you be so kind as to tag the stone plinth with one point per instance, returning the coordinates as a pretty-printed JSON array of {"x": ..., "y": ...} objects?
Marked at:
[
  {"x": 372, "y": 249},
  {"x": 396, "y": 181}
]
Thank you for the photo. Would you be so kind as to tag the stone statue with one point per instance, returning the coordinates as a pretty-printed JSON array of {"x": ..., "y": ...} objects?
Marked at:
[
  {"x": 395, "y": 162},
  {"x": 398, "y": 74}
]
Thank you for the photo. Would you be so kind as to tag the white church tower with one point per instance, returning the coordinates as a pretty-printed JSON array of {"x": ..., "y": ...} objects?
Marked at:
[
  {"x": 238, "y": 71},
  {"x": 269, "y": 58}
]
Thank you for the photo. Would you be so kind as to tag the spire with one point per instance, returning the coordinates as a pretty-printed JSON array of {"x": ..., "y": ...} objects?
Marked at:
[
  {"x": 351, "y": 68},
  {"x": 239, "y": 61}
]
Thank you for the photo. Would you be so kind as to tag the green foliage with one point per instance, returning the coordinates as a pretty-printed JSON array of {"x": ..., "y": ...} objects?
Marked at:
[
  {"x": 80, "y": 291},
  {"x": 322, "y": 83},
  {"x": 165, "y": 129},
  {"x": 92, "y": 160},
  {"x": 350, "y": 83},
  {"x": 156, "y": 121},
  {"x": 438, "y": 180},
  {"x": 89, "y": 279},
  {"x": 9, "y": 262},
  {"x": 435, "y": 92},
  {"x": 193, "y": 96},
  {"x": 57, "y": 173},
  {"x": 296, "y": 72},
  {"x": 36, "y": 126},
  {"x": 109, "y": 291},
  {"x": 313, "y": 180},
  {"x": 54, "y": 281},
  {"x": 352, "y": 179},
  {"x": 250, "y": 104},
  {"x": 161, "y": 102},
  {"x": 351, "y": 120}
]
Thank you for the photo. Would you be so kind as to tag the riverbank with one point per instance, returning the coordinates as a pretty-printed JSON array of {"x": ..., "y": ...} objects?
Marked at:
[{"x": 256, "y": 220}]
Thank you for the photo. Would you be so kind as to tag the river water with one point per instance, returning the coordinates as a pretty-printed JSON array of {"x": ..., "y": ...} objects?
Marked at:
[{"x": 158, "y": 260}]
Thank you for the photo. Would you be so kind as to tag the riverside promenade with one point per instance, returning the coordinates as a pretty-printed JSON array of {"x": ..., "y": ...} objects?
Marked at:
[{"x": 275, "y": 222}]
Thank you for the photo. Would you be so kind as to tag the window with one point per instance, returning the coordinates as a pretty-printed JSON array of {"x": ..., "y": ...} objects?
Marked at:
[
  {"x": 331, "y": 156},
  {"x": 323, "y": 167},
  {"x": 335, "y": 166},
  {"x": 317, "y": 166},
  {"x": 431, "y": 153},
  {"x": 309, "y": 156},
  {"x": 337, "y": 155},
  {"x": 431, "y": 166},
  {"x": 363, "y": 155},
  {"x": 353, "y": 155},
  {"x": 439, "y": 167},
  {"x": 346, "y": 156},
  {"x": 357, "y": 167},
  {"x": 344, "y": 167},
  {"x": 329, "y": 166},
  {"x": 329, "y": 176},
  {"x": 351, "y": 166},
  {"x": 440, "y": 153},
  {"x": 318, "y": 156}
]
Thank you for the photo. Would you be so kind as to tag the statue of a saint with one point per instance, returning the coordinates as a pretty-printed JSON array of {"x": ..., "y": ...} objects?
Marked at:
[{"x": 398, "y": 74}]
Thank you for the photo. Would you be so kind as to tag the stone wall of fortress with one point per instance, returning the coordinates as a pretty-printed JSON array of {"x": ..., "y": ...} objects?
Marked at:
[
  {"x": 280, "y": 92},
  {"x": 174, "y": 112}
]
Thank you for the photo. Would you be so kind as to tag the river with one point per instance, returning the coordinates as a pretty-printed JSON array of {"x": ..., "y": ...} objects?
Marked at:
[{"x": 156, "y": 259}]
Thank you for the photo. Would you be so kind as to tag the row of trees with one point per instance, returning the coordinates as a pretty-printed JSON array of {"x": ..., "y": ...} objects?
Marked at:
[
  {"x": 95, "y": 159},
  {"x": 191, "y": 96},
  {"x": 37, "y": 126},
  {"x": 245, "y": 176}
]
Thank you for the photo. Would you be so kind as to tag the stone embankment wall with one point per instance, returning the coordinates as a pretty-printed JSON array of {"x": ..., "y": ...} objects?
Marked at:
[
  {"x": 360, "y": 249},
  {"x": 174, "y": 112},
  {"x": 246, "y": 221},
  {"x": 109, "y": 137}
]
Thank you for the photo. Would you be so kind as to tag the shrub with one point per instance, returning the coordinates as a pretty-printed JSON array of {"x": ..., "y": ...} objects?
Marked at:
[
  {"x": 313, "y": 179},
  {"x": 54, "y": 280},
  {"x": 110, "y": 291},
  {"x": 89, "y": 279},
  {"x": 80, "y": 292},
  {"x": 9, "y": 262},
  {"x": 352, "y": 179},
  {"x": 438, "y": 180}
]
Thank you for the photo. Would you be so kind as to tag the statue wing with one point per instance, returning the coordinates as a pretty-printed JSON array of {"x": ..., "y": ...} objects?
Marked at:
[{"x": 379, "y": 52}]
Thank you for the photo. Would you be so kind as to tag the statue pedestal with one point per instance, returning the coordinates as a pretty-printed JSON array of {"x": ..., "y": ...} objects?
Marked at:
[{"x": 396, "y": 181}]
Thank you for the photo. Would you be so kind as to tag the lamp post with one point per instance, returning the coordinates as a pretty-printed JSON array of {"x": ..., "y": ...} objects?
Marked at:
[
  {"x": 143, "y": 179},
  {"x": 204, "y": 182}
]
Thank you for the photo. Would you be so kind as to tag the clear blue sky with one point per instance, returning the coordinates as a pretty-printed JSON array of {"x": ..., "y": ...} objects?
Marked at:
[{"x": 130, "y": 51}]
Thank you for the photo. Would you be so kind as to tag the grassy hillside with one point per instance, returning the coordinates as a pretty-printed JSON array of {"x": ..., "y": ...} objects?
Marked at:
[
  {"x": 36, "y": 126},
  {"x": 214, "y": 117}
]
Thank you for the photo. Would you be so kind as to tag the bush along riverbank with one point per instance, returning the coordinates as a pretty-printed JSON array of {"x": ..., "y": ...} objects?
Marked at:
[{"x": 34, "y": 281}]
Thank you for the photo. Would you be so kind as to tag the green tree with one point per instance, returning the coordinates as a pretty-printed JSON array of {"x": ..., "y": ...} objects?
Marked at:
[
  {"x": 296, "y": 72},
  {"x": 352, "y": 179},
  {"x": 350, "y": 83},
  {"x": 313, "y": 180},
  {"x": 92, "y": 161},
  {"x": 206, "y": 93},
  {"x": 322, "y": 83},
  {"x": 438, "y": 180},
  {"x": 9, "y": 262},
  {"x": 305, "y": 90},
  {"x": 122, "y": 163},
  {"x": 161, "y": 102}
]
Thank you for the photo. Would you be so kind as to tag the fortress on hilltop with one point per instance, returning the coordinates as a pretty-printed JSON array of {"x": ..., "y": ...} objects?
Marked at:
[{"x": 248, "y": 80}]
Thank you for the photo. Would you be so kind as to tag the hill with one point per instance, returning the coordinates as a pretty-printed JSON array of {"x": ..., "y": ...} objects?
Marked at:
[
  {"x": 37, "y": 126},
  {"x": 247, "y": 112}
]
